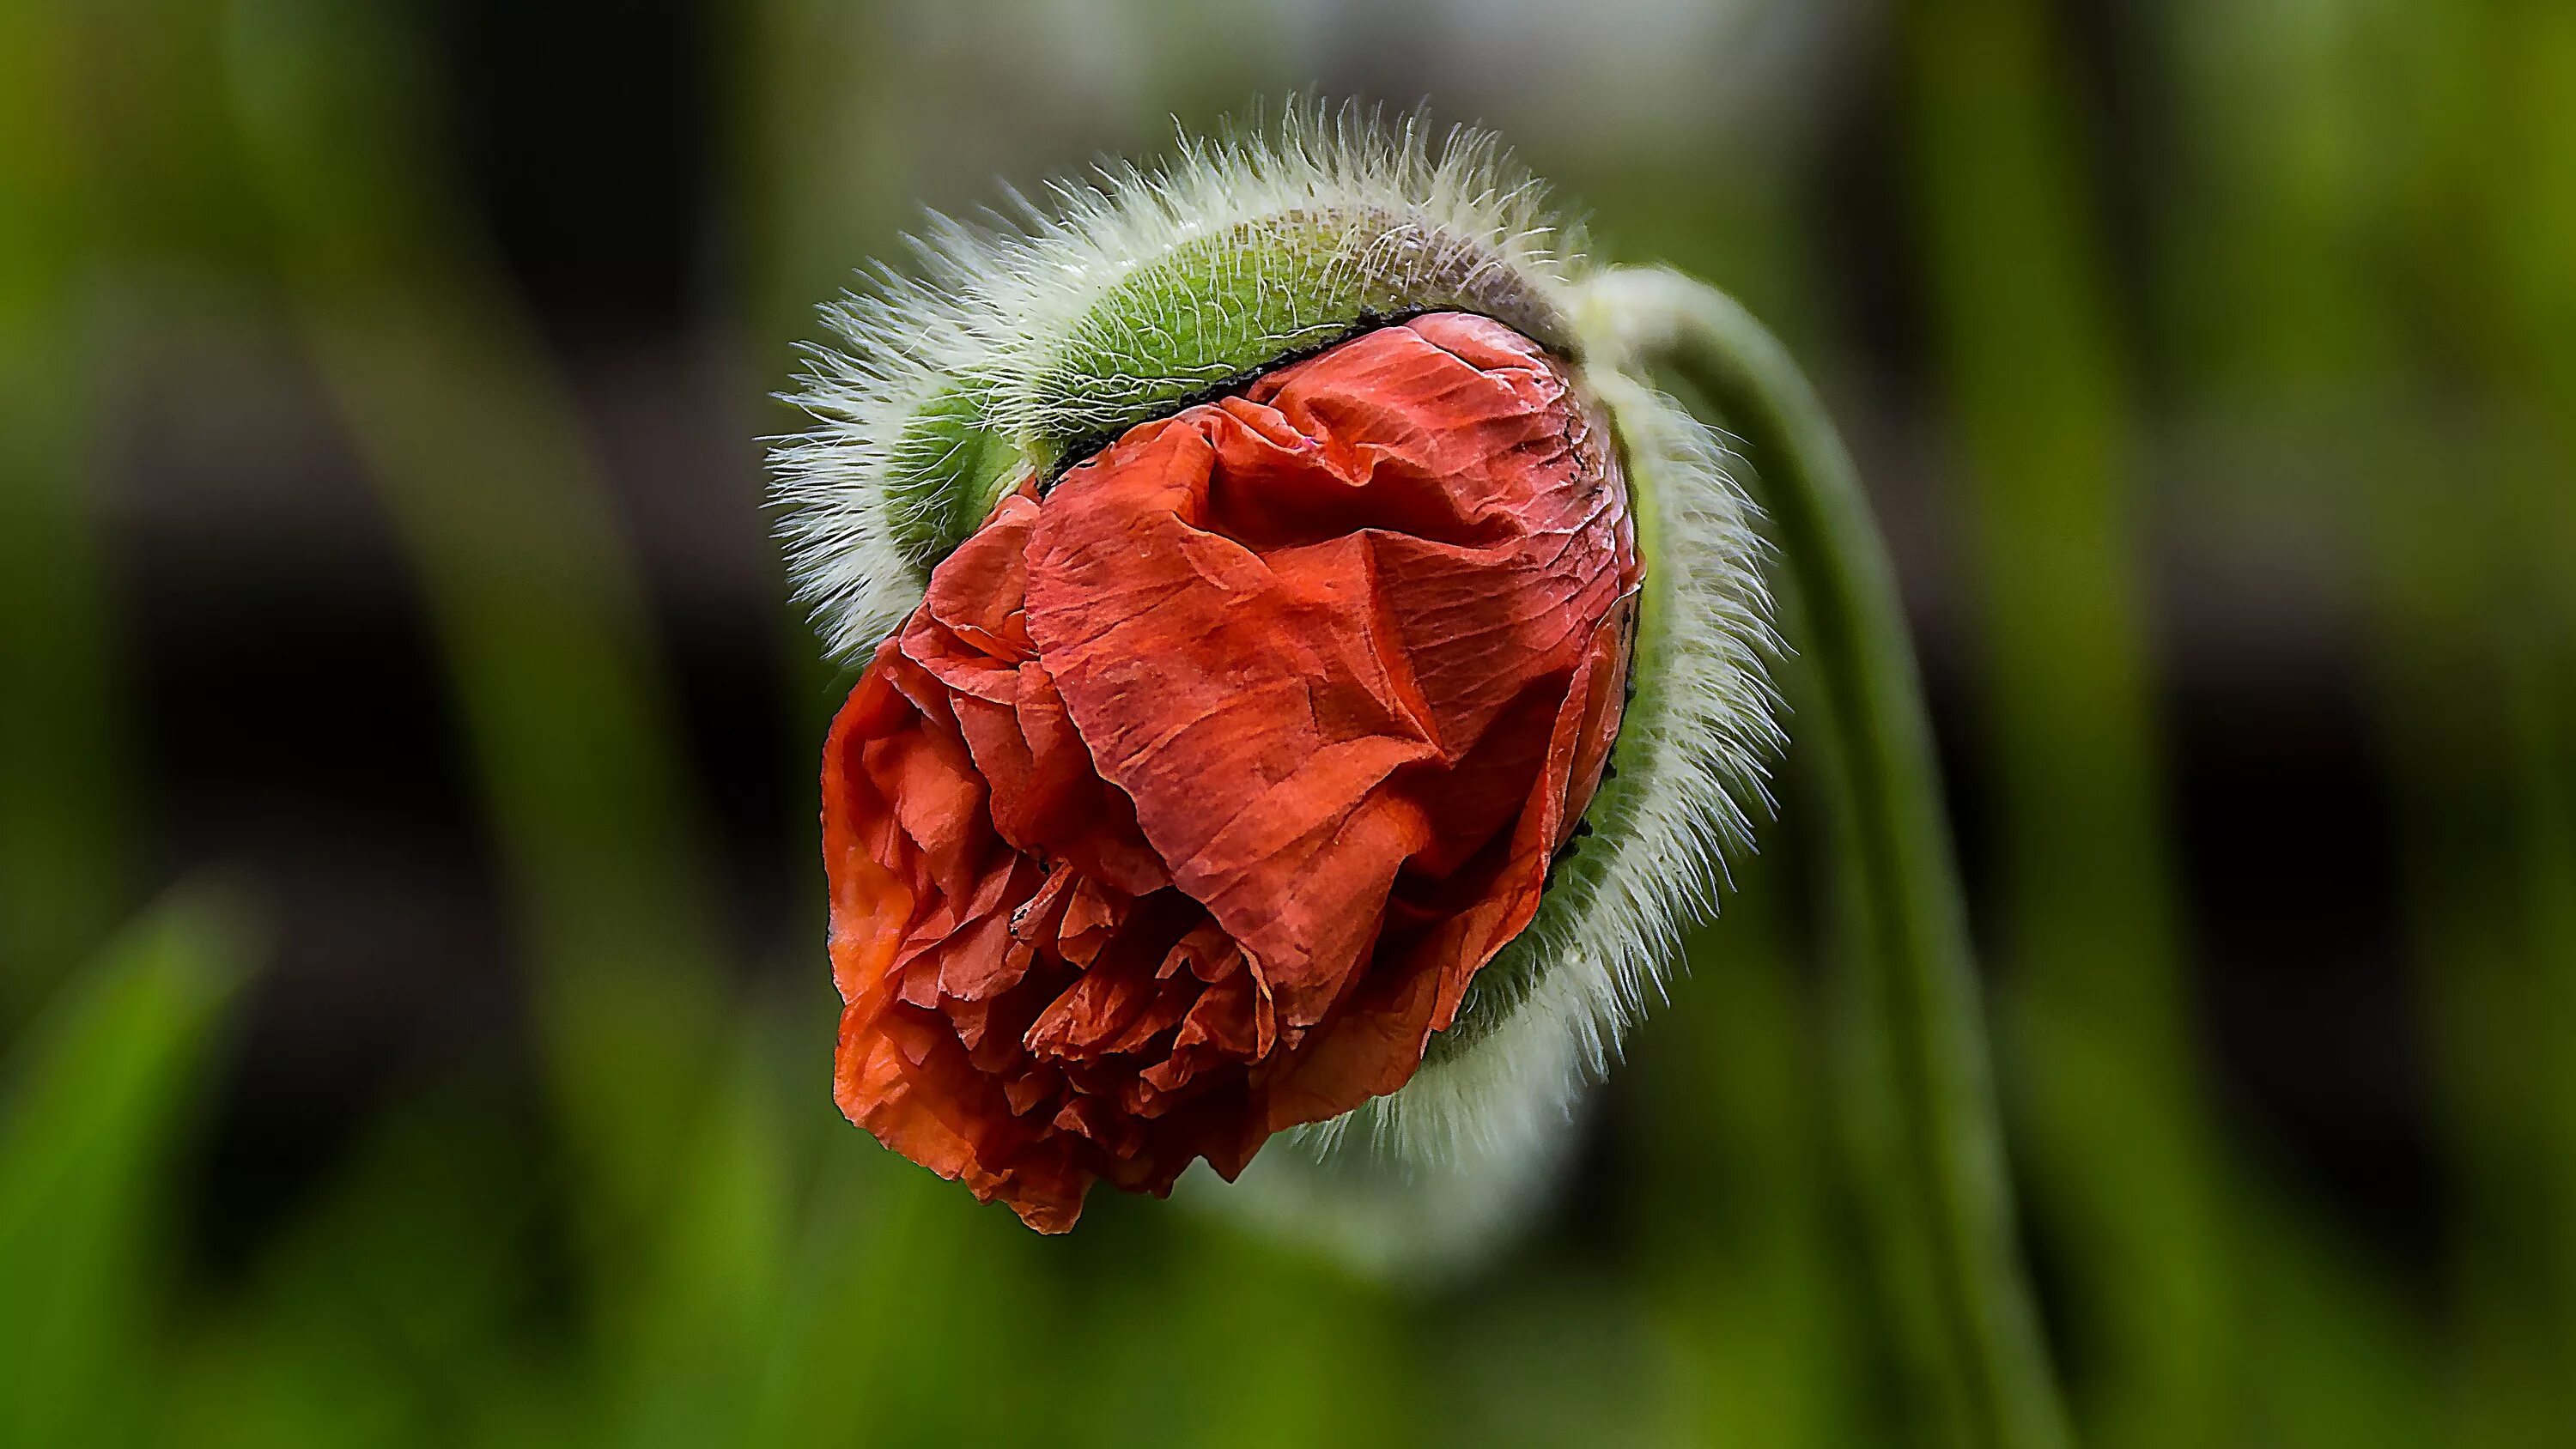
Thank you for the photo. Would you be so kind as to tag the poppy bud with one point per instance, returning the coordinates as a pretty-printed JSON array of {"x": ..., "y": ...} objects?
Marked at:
[{"x": 1299, "y": 690}]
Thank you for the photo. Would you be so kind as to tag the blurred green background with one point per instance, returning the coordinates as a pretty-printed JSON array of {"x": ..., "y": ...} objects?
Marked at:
[{"x": 413, "y": 1021}]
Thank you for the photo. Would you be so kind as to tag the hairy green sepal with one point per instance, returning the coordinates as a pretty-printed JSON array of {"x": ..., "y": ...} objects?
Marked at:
[
  {"x": 1204, "y": 319},
  {"x": 948, "y": 470},
  {"x": 1217, "y": 311}
]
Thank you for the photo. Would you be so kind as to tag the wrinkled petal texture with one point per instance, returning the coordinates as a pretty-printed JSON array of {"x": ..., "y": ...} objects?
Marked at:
[{"x": 1190, "y": 799}]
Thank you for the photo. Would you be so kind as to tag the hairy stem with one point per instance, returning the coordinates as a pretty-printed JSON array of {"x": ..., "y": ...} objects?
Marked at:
[{"x": 1939, "y": 1199}]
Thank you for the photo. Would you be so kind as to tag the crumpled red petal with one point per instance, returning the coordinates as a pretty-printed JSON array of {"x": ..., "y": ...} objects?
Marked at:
[{"x": 1189, "y": 801}]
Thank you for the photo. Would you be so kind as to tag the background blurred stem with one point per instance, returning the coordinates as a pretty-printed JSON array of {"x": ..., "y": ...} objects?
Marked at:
[
  {"x": 1937, "y": 1186},
  {"x": 62, "y": 761},
  {"x": 2489, "y": 858},
  {"x": 816, "y": 180},
  {"x": 477, "y": 454},
  {"x": 2121, "y": 1149},
  {"x": 2472, "y": 555}
]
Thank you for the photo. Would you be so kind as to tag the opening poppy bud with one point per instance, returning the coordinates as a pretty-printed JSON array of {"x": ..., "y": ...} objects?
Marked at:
[
  {"x": 1298, "y": 689},
  {"x": 1193, "y": 796}
]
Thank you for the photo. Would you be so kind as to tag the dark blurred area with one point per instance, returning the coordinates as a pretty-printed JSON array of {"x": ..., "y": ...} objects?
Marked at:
[{"x": 410, "y": 931}]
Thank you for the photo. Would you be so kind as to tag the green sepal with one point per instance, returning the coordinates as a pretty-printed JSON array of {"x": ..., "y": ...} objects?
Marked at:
[
  {"x": 1218, "y": 311},
  {"x": 948, "y": 468}
]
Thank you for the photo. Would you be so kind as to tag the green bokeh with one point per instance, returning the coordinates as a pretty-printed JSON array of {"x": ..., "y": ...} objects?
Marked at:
[{"x": 2297, "y": 278}]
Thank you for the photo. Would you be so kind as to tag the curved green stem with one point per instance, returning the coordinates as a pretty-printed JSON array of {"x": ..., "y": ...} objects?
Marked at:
[{"x": 1939, "y": 1199}]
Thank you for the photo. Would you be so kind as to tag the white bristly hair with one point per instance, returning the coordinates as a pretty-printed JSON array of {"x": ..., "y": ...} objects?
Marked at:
[{"x": 907, "y": 340}]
